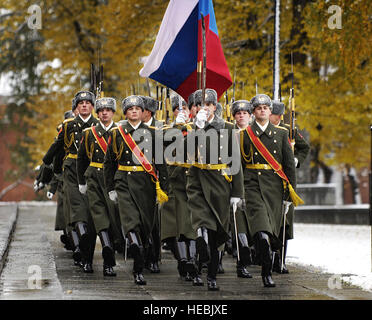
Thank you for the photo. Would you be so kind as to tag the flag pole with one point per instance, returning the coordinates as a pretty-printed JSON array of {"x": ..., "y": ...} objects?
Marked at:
[
  {"x": 276, "y": 64},
  {"x": 370, "y": 193},
  {"x": 204, "y": 75}
]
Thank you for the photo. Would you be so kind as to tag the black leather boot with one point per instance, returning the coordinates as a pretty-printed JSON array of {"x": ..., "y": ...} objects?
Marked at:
[
  {"x": 212, "y": 284},
  {"x": 241, "y": 271},
  {"x": 76, "y": 250},
  {"x": 180, "y": 251},
  {"x": 244, "y": 250},
  {"x": 108, "y": 271},
  {"x": 191, "y": 265},
  {"x": 266, "y": 259},
  {"x": 220, "y": 269},
  {"x": 136, "y": 249},
  {"x": 108, "y": 254},
  {"x": 139, "y": 279},
  {"x": 65, "y": 239},
  {"x": 213, "y": 264},
  {"x": 202, "y": 247}
]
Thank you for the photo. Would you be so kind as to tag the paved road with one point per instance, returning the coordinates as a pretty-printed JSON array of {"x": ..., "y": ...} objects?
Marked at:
[{"x": 35, "y": 250}]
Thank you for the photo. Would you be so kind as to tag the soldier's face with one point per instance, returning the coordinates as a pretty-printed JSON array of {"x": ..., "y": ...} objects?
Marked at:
[
  {"x": 262, "y": 112},
  {"x": 85, "y": 108},
  {"x": 134, "y": 113},
  {"x": 105, "y": 115},
  {"x": 185, "y": 110},
  {"x": 242, "y": 118},
  {"x": 194, "y": 110},
  {"x": 275, "y": 118}
]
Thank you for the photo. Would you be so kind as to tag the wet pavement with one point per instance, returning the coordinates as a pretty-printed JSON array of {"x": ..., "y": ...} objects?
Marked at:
[{"x": 38, "y": 267}]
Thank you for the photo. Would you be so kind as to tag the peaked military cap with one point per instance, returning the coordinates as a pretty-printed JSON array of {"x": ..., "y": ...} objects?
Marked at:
[
  {"x": 131, "y": 101},
  {"x": 278, "y": 107},
  {"x": 261, "y": 99},
  {"x": 105, "y": 102},
  {"x": 69, "y": 114},
  {"x": 241, "y": 105},
  {"x": 84, "y": 95},
  {"x": 149, "y": 103},
  {"x": 175, "y": 101},
  {"x": 191, "y": 100},
  {"x": 210, "y": 96}
]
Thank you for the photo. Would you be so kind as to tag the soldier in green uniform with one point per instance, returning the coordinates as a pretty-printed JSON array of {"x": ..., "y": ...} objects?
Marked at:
[
  {"x": 241, "y": 111},
  {"x": 129, "y": 179},
  {"x": 91, "y": 182},
  {"x": 184, "y": 246},
  {"x": 301, "y": 150},
  {"x": 66, "y": 147},
  {"x": 153, "y": 252},
  {"x": 264, "y": 188},
  {"x": 213, "y": 182}
]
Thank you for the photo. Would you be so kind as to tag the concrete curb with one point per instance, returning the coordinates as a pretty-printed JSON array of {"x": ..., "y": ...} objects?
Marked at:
[{"x": 7, "y": 230}]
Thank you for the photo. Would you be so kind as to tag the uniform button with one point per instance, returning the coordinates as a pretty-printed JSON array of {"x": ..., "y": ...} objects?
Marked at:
[
  {"x": 221, "y": 136},
  {"x": 219, "y": 158},
  {"x": 274, "y": 151},
  {"x": 255, "y": 153},
  {"x": 221, "y": 147},
  {"x": 96, "y": 150},
  {"x": 126, "y": 151},
  {"x": 99, "y": 169},
  {"x": 146, "y": 140},
  {"x": 129, "y": 172},
  {"x": 128, "y": 162},
  {"x": 274, "y": 141},
  {"x": 77, "y": 141},
  {"x": 274, "y": 132},
  {"x": 201, "y": 146},
  {"x": 95, "y": 141},
  {"x": 258, "y": 163},
  {"x": 259, "y": 173},
  {"x": 146, "y": 150}
]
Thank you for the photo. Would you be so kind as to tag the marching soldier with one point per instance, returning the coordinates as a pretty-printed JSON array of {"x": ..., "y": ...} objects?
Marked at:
[
  {"x": 131, "y": 179},
  {"x": 268, "y": 166},
  {"x": 66, "y": 147},
  {"x": 153, "y": 254},
  {"x": 241, "y": 111},
  {"x": 301, "y": 150},
  {"x": 210, "y": 186},
  {"x": 184, "y": 243},
  {"x": 90, "y": 176}
]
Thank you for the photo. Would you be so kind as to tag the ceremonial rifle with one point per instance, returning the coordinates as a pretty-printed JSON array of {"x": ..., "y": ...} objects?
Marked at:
[
  {"x": 168, "y": 107},
  {"x": 292, "y": 109}
]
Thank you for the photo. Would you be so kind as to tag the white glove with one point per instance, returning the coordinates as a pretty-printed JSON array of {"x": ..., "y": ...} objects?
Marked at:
[
  {"x": 201, "y": 118},
  {"x": 181, "y": 117},
  {"x": 234, "y": 201},
  {"x": 49, "y": 195},
  {"x": 83, "y": 188},
  {"x": 296, "y": 162},
  {"x": 38, "y": 186},
  {"x": 286, "y": 205},
  {"x": 113, "y": 195}
]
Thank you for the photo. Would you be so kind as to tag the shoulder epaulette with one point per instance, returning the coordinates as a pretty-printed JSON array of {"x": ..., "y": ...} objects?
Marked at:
[
  {"x": 280, "y": 127},
  {"x": 114, "y": 128},
  {"x": 68, "y": 120},
  {"x": 229, "y": 122},
  {"x": 152, "y": 127},
  {"x": 86, "y": 129}
]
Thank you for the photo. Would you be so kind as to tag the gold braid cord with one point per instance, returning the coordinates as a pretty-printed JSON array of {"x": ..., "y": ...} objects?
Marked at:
[{"x": 247, "y": 158}]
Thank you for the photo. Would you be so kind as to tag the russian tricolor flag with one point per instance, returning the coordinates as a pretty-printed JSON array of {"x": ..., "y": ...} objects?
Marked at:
[{"x": 178, "y": 48}]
